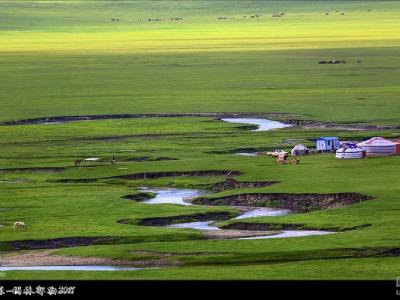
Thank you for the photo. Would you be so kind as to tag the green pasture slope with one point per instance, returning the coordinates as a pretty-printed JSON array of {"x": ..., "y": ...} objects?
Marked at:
[{"x": 61, "y": 58}]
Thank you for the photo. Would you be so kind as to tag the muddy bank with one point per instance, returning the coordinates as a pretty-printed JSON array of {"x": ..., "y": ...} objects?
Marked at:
[
  {"x": 283, "y": 226},
  {"x": 164, "y": 221},
  {"x": 230, "y": 184},
  {"x": 143, "y": 196},
  {"x": 33, "y": 170},
  {"x": 64, "y": 119},
  {"x": 155, "y": 175},
  {"x": 294, "y": 202}
]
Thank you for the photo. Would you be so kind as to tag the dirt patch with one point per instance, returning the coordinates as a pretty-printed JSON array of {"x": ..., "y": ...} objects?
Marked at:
[
  {"x": 283, "y": 226},
  {"x": 33, "y": 170},
  {"x": 140, "y": 196},
  {"x": 155, "y": 175},
  {"x": 294, "y": 202},
  {"x": 199, "y": 217},
  {"x": 230, "y": 184}
]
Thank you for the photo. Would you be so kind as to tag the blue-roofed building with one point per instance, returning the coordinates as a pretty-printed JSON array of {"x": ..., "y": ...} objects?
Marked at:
[{"x": 327, "y": 143}]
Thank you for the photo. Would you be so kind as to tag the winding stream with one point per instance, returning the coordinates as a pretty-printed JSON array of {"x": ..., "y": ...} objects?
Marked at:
[
  {"x": 288, "y": 234},
  {"x": 263, "y": 124},
  {"x": 171, "y": 196},
  {"x": 178, "y": 196},
  {"x": 196, "y": 225},
  {"x": 263, "y": 212}
]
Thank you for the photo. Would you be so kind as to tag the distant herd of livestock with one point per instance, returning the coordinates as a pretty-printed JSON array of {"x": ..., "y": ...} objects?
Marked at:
[
  {"x": 255, "y": 16},
  {"x": 335, "y": 62}
]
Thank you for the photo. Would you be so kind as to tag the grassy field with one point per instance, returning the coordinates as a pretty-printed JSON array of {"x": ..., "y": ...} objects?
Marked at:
[
  {"x": 63, "y": 58},
  {"x": 69, "y": 58}
]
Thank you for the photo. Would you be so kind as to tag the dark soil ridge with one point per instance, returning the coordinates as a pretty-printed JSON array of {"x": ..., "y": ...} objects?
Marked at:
[
  {"x": 164, "y": 221},
  {"x": 238, "y": 150},
  {"x": 150, "y": 158},
  {"x": 284, "y": 226},
  {"x": 34, "y": 170},
  {"x": 305, "y": 202},
  {"x": 153, "y": 175},
  {"x": 66, "y": 242},
  {"x": 61, "y": 242},
  {"x": 65, "y": 119},
  {"x": 143, "y": 196},
  {"x": 231, "y": 183}
]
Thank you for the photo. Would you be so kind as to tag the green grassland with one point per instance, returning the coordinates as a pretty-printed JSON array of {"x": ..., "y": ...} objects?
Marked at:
[
  {"x": 61, "y": 58},
  {"x": 69, "y": 58}
]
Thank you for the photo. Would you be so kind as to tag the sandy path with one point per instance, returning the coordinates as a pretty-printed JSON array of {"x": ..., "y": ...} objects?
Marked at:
[{"x": 45, "y": 258}]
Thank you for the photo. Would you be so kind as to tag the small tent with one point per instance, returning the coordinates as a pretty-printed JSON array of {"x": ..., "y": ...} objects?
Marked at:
[
  {"x": 300, "y": 149},
  {"x": 350, "y": 151},
  {"x": 378, "y": 146}
]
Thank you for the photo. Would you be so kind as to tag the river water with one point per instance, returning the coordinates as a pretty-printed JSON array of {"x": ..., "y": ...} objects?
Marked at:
[{"x": 263, "y": 124}]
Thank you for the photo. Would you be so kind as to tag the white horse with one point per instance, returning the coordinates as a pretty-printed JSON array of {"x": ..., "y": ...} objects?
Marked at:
[{"x": 20, "y": 225}]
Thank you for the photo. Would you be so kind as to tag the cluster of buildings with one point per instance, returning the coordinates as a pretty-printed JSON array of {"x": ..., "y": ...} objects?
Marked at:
[{"x": 376, "y": 146}]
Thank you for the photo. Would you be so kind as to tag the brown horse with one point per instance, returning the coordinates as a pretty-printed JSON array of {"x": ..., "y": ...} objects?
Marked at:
[{"x": 77, "y": 162}]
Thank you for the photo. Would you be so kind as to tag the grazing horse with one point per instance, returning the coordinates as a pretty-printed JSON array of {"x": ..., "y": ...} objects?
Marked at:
[
  {"x": 20, "y": 225},
  {"x": 77, "y": 162}
]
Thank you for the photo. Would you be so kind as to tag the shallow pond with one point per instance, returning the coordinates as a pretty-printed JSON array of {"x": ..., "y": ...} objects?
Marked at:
[
  {"x": 263, "y": 212},
  {"x": 69, "y": 268},
  {"x": 247, "y": 153},
  {"x": 263, "y": 124},
  {"x": 196, "y": 225},
  {"x": 171, "y": 196}
]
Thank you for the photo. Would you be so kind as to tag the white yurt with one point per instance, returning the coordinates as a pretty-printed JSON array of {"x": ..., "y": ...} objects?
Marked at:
[
  {"x": 300, "y": 149},
  {"x": 378, "y": 146},
  {"x": 350, "y": 151}
]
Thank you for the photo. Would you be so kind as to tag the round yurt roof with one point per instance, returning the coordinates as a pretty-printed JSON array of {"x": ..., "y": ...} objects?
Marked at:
[
  {"x": 376, "y": 142},
  {"x": 299, "y": 147},
  {"x": 349, "y": 148}
]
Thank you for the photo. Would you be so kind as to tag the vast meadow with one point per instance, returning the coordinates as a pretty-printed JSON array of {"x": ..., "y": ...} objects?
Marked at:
[{"x": 191, "y": 63}]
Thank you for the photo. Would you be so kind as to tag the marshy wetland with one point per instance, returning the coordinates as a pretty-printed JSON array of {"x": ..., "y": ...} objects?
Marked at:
[{"x": 178, "y": 202}]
